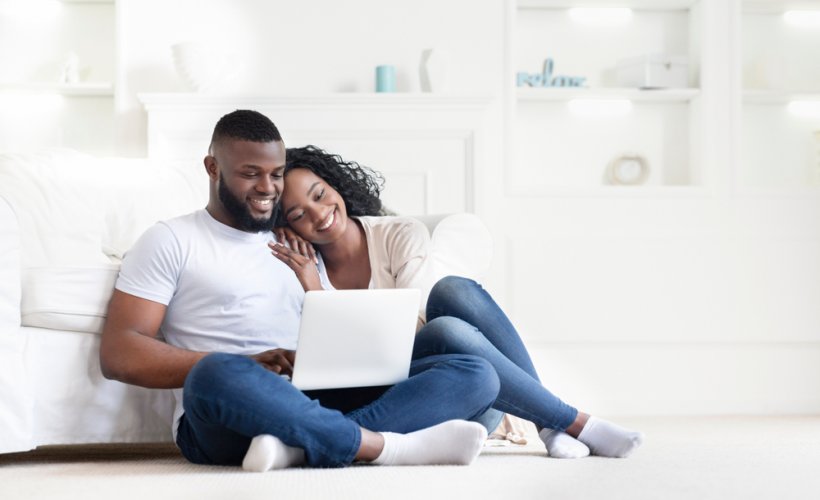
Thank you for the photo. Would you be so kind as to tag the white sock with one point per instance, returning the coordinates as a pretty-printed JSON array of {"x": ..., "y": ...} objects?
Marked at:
[
  {"x": 609, "y": 440},
  {"x": 562, "y": 445},
  {"x": 267, "y": 452},
  {"x": 455, "y": 442}
]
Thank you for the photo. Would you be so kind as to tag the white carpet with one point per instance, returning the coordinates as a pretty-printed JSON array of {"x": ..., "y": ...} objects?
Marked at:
[{"x": 697, "y": 458}]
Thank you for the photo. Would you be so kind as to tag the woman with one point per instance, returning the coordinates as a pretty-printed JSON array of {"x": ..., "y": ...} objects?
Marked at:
[{"x": 335, "y": 205}]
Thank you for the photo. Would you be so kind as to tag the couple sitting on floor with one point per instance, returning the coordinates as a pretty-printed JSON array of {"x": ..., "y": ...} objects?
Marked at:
[{"x": 229, "y": 313}]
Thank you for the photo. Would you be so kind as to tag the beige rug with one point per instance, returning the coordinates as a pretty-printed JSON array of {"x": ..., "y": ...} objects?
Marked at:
[{"x": 683, "y": 458}]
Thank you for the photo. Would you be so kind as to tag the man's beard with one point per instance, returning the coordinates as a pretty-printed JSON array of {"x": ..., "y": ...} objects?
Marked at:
[{"x": 241, "y": 213}]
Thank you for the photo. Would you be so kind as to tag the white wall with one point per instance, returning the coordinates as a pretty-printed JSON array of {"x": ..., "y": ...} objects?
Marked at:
[{"x": 649, "y": 303}]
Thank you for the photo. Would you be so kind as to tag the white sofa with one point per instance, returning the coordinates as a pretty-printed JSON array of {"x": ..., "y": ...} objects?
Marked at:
[{"x": 66, "y": 219}]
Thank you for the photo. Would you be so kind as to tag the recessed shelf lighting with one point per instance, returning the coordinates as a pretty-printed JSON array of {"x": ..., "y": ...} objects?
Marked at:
[
  {"x": 22, "y": 101},
  {"x": 30, "y": 9},
  {"x": 600, "y": 16},
  {"x": 804, "y": 108},
  {"x": 810, "y": 18},
  {"x": 600, "y": 108}
]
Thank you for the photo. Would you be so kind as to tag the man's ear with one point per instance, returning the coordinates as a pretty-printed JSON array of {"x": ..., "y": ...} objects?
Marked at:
[{"x": 210, "y": 167}]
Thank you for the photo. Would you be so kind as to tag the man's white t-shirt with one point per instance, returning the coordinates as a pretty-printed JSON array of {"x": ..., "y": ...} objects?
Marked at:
[{"x": 223, "y": 289}]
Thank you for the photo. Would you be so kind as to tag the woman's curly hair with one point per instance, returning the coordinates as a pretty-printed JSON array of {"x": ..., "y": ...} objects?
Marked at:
[{"x": 359, "y": 186}]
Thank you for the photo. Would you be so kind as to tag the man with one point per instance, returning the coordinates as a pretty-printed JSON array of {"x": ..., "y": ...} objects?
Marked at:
[{"x": 229, "y": 313}]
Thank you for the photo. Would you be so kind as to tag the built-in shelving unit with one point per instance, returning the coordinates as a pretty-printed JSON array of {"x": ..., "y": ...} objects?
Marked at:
[
  {"x": 56, "y": 81},
  {"x": 52, "y": 32},
  {"x": 773, "y": 149},
  {"x": 557, "y": 150},
  {"x": 779, "y": 139}
]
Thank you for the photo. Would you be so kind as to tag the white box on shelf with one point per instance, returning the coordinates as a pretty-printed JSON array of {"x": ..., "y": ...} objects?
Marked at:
[{"x": 653, "y": 71}]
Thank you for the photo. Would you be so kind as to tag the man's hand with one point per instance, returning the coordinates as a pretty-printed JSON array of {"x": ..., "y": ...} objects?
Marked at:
[
  {"x": 305, "y": 269},
  {"x": 296, "y": 242},
  {"x": 279, "y": 361}
]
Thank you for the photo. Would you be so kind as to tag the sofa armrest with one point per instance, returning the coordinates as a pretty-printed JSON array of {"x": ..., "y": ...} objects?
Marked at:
[
  {"x": 16, "y": 410},
  {"x": 461, "y": 244},
  {"x": 10, "y": 287}
]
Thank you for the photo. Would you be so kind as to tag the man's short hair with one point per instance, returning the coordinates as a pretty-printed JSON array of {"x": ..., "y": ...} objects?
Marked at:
[{"x": 245, "y": 125}]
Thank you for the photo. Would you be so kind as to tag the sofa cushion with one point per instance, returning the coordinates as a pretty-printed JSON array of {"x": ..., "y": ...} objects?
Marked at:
[
  {"x": 75, "y": 215},
  {"x": 67, "y": 298},
  {"x": 77, "y": 210},
  {"x": 460, "y": 244},
  {"x": 55, "y": 196},
  {"x": 140, "y": 193}
]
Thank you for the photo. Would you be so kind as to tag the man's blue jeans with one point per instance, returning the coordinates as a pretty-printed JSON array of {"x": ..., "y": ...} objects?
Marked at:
[
  {"x": 229, "y": 399},
  {"x": 462, "y": 318}
]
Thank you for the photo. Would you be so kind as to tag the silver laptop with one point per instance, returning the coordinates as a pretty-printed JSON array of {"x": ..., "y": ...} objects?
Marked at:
[{"x": 355, "y": 338}]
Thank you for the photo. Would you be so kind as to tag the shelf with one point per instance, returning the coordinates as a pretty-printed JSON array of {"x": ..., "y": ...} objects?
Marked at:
[
  {"x": 565, "y": 94},
  {"x": 676, "y": 192},
  {"x": 634, "y": 4},
  {"x": 778, "y": 142},
  {"x": 89, "y": 89},
  {"x": 777, "y": 6},
  {"x": 795, "y": 192},
  {"x": 777, "y": 97}
]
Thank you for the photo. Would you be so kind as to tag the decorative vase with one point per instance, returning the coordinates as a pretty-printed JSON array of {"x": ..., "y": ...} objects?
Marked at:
[
  {"x": 385, "y": 78},
  {"x": 433, "y": 70},
  {"x": 71, "y": 69}
]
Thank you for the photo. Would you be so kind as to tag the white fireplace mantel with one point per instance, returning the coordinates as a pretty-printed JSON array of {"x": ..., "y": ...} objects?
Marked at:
[
  {"x": 396, "y": 100},
  {"x": 430, "y": 147}
]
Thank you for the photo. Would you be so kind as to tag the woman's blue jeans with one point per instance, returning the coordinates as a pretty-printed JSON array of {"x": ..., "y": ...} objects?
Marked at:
[
  {"x": 462, "y": 318},
  {"x": 229, "y": 399}
]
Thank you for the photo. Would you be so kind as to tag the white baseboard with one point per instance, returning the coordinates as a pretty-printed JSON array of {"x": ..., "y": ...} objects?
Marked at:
[{"x": 682, "y": 378}]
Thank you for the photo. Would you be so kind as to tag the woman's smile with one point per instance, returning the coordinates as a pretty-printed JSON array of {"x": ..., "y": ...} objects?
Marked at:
[{"x": 328, "y": 222}]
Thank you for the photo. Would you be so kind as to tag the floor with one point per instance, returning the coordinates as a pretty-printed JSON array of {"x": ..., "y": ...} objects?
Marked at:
[{"x": 697, "y": 458}]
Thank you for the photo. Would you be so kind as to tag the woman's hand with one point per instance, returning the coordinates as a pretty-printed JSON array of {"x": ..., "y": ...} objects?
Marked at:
[
  {"x": 306, "y": 270},
  {"x": 296, "y": 242}
]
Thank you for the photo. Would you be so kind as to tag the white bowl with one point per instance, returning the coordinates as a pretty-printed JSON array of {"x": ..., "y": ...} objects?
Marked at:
[{"x": 205, "y": 68}]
